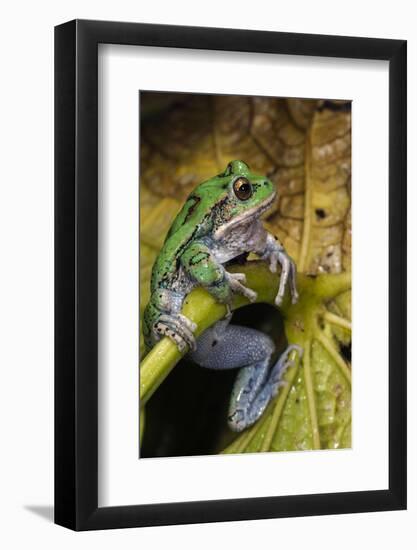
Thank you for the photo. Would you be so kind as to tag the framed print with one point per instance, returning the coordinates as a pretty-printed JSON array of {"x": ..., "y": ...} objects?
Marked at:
[{"x": 230, "y": 275}]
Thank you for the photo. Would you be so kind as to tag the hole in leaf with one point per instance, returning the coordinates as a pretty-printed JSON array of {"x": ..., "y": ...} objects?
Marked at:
[{"x": 346, "y": 351}]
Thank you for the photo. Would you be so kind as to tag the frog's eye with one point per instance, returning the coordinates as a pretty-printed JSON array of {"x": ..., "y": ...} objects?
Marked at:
[{"x": 243, "y": 189}]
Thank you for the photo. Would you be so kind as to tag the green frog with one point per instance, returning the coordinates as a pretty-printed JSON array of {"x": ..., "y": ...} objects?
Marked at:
[{"x": 220, "y": 222}]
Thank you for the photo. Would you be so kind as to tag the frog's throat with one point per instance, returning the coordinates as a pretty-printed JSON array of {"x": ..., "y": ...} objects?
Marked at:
[{"x": 243, "y": 218}]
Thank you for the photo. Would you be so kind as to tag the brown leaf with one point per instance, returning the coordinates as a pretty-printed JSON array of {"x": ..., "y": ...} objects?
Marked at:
[{"x": 303, "y": 145}]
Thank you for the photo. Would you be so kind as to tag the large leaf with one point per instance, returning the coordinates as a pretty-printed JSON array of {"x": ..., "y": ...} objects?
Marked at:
[{"x": 304, "y": 146}]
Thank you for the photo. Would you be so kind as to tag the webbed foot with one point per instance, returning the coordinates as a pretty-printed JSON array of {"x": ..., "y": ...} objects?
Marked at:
[
  {"x": 288, "y": 275},
  {"x": 275, "y": 254},
  {"x": 178, "y": 328},
  {"x": 254, "y": 388}
]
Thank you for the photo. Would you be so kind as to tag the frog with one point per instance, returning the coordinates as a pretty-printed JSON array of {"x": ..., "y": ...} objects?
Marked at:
[{"x": 221, "y": 223}]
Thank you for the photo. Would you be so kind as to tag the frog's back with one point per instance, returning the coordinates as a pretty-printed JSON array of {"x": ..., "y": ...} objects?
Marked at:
[{"x": 191, "y": 222}]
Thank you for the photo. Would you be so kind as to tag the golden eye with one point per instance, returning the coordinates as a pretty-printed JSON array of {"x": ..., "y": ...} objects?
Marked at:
[{"x": 243, "y": 189}]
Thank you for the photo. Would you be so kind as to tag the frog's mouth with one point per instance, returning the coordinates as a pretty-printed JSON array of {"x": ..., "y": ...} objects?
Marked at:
[{"x": 244, "y": 218}]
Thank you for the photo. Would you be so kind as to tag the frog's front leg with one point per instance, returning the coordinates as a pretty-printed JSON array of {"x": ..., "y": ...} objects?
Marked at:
[
  {"x": 205, "y": 271},
  {"x": 275, "y": 253},
  {"x": 226, "y": 346}
]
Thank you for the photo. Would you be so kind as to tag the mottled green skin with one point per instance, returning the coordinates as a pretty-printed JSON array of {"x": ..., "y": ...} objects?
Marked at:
[{"x": 184, "y": 260}]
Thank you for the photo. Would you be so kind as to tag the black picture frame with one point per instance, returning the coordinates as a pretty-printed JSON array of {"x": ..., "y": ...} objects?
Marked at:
[{"x": 76, "y": 271}]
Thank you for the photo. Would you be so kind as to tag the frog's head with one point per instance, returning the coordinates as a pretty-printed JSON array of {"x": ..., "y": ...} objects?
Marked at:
[{"x": 245, "y": 197}]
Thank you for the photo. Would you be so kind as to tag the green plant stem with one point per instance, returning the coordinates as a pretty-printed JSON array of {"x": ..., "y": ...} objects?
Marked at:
[
  {"x": 337, "y": 320},
  {"x": 141, "y": 423}
]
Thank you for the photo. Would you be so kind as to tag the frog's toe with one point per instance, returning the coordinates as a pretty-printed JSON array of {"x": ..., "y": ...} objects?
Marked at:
[
  {"x": 163, "y": 329},
  {"x": 240, "y": 277},
  {"x": 235, "y": 281},
  {"x": 236, "y": 420},
  {"x": 187, "y": 322},
  {"x": 177, "y": 330},
  {"x": 283, "y": 363}
]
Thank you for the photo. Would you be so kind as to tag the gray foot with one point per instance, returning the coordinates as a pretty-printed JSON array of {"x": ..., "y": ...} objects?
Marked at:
[
  {"x": 255, "y": 387},
  {"x": 178, "y": 328}
]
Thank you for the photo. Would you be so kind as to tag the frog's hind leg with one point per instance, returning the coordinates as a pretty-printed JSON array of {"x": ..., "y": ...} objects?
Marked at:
[
  {"x": 248, "y": 401},
  {"x": 229, "y": 347}
]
